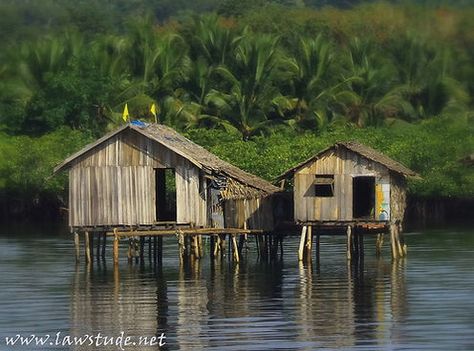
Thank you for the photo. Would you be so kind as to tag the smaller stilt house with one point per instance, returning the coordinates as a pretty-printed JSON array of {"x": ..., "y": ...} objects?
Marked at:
[
  {"x": 149, "y": 177},
  {"x": 349, "y": 185}
]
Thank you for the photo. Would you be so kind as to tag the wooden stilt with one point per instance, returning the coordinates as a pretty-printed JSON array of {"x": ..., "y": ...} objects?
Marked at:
[
  {"x": 309, "y": 242},
  {"x": 393, "y": 239},
  {"x": 77, "y": 246},
  {"x": 160, "y": 249},
  {"x": 155, "y": 252},
  {"x": 212, "y": 246},
  {"x": 104, "y": 245},
  {"x": 281, "y": 246},
  {"x": 257, "y": 245},
  {"x": 129, "y": 251},
  {"x": 116, "y": 248},
  {"x": 87, "y": 247},
  {"x": 235, "y": 249},
  {"x": 361, "y": 245},
  {"x": 181, "y": 246},
  {"x": 197, "y": 251},
  {"x": 201, "y": 246},
  {"x": 91, "y": 244},
  {"x": 142, "y": 249},
  {"x": 302, "y": 243},
  {"x": 217, "y": 245},
  {"x": 379, "y": 244},
  {"x": 98, "y": 246},
  {"x": 149, "y": 249},
  {"x": 318, "y": 241},
  {"x": 349, "y": 239},
  {"x": 223, "y": 244}
]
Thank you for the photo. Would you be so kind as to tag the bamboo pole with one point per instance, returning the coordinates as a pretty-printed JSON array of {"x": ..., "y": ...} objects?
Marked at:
[
  {"x": 349, "y": 237},
  {"x": 302, "y": 242},
  {"x": 77, "y": 246},
  {"x": 87, "y": 247}
]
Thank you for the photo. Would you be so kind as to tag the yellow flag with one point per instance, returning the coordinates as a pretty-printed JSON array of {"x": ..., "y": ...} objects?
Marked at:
[
  {"x": 125, "y": 114},
  {"x": 153, "y": 111}
]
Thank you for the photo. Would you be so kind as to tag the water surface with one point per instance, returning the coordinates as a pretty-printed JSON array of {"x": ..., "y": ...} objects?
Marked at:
[{"x": 422, "y": 302}]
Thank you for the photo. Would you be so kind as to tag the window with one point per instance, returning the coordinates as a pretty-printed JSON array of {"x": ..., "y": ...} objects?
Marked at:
[{"x": 324, "y": 185}]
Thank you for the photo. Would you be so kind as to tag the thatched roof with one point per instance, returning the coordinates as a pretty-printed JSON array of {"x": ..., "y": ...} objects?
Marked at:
[
  {"x": 362, "y": 150},
  {"x": 199, "y": 156}
]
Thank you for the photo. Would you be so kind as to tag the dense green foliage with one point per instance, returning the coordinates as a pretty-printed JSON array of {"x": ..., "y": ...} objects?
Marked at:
[{"x": 264, "y": 84}]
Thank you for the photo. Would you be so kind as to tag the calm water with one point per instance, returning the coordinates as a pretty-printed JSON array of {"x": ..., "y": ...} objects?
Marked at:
[{"x": 423, "y": 302}]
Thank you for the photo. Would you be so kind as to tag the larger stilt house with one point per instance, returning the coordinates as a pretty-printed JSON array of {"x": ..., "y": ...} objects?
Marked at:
[{"x": 148, "y": 177}]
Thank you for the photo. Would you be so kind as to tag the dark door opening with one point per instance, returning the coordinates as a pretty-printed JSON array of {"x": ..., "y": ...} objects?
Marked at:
[
  {"x": 363, "y": 197},
  {"x": 165, "y": 194}
]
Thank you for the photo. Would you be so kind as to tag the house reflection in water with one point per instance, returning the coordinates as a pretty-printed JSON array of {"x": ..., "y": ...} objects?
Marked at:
[{"x": 216, "y": 305}]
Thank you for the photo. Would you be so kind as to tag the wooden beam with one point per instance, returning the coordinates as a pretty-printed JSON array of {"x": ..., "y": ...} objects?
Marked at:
[{"x": 192, "y": 231}]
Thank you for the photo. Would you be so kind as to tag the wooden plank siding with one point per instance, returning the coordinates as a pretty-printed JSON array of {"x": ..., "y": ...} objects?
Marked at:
[
  {"x": 344, "y": 165},
  {"x": 114, "y": 184},
  {"x": 255, "y": 213}
]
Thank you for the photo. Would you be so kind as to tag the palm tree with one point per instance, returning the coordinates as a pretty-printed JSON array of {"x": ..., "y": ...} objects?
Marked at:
[
  {"x": 374, "y": 96},
  {"x": 424, "y": 73}
]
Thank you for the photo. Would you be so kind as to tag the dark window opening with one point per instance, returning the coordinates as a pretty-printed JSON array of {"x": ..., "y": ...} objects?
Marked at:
[
  {"x": 324, "y": 185},
  {"x": 363, "y": 197},
  {"x": 165, "y": 194}
]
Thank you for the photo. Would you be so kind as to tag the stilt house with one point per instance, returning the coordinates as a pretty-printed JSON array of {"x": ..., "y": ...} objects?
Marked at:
[
  {"x": 349, "y": 182},
  {"x": 147, "y": 174}
]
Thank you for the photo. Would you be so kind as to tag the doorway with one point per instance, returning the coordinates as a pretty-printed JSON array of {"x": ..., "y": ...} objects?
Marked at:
[
  {"x": 363, "y": 197},
  {"x": 165, "y": 194}
]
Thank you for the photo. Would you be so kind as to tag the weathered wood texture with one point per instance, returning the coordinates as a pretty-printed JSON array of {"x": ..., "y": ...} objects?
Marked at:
[
  {"x": 114, "y": 184},
  {"x": 344, "y": 165},
  {"x": 398, "y": 198},
  {"x": 253, "y": 213}
]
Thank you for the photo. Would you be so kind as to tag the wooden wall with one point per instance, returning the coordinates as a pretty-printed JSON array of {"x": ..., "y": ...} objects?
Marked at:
[
  {"x": 114, "y": 184},
  {"x": 344, "y": 165},
  {"x": 398, "y": 199},
  {"x": 256, "y": 213}
]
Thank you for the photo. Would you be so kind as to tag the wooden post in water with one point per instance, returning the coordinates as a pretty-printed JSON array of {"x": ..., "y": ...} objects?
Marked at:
[
  {"x": 235, "y": 249},
  {"x": 302, "y": 242},
  {"x": 211, "y": 246},
  {"x": 197, "y": 251},
  {"x": 116, "y": 247},
  {"x": 98, "y": 246},
  {"x": 379, "y": 245},
  {"x": 77, "y": 246},
  {"x": 104, "y": 245},
  {"x": 87, "y": 247},
  {"x": 160, "y": 249},
  {"x": 318, "y": 240},
  {"x": 393, "y": 239},
  {"x": 142, "y": 249},
  {"x": 309, "y": 242},
  {"x": 349, "y": 240}
]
